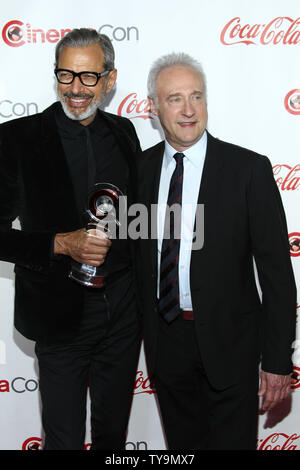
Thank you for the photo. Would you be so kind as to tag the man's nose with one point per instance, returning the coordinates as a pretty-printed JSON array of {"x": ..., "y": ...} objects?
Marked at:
[
  {"x": 76, "y": 85},
  {"x": 188, "y": 108}
]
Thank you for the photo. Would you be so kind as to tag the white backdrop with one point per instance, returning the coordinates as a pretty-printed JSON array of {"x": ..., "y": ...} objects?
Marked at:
[{"x": 250, "y": 52}]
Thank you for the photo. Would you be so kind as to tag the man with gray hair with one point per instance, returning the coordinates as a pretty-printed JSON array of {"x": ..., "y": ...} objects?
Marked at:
[
  {"x": 50, "y": 162},
  {"x": 205, "y": 328}
]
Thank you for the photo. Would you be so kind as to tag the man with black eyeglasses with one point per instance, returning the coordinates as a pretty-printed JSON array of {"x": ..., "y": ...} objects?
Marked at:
[{"x": 85, "y": 337}]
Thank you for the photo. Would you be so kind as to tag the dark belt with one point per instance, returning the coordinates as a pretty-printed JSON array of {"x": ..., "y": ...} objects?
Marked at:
[{"x": 187, "y": 314}]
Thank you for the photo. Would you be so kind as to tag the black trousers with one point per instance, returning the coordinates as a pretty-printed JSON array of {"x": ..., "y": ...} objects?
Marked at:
[
  {"x": 101, "y": 358},
  {"x": 195, "y": 415}
]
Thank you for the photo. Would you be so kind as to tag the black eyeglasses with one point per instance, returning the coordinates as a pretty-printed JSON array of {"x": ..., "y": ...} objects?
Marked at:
[{"x": 66, "y": 76}]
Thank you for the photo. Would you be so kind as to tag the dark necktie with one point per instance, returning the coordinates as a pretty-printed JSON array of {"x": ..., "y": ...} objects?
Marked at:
[
  {"x": 91, "y": 164},
  {"x": 169, "y": 303}
]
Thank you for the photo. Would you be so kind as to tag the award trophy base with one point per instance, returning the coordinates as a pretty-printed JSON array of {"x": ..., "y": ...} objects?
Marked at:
[{"x": 89, "y": 276}]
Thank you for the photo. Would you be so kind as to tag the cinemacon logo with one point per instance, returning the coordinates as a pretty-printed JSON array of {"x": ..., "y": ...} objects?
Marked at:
[
  {"x": 36, "y": 443},
  {"x": 292, "y": 102},
  {"x": 19, "y": 385},
  {"x": 281, "y": 30},
  {"x": 15, "y": 33},
  {"x": 9, "y": 109},
  {"x": 294, "y": 241},
  {"x": 295, "y": 378}
]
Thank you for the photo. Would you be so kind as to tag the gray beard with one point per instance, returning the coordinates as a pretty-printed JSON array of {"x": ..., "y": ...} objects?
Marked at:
[{"x": 90, "y": 111}]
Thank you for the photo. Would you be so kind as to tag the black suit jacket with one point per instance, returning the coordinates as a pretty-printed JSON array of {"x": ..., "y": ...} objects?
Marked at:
[
  {"x": 36, "y": 186},
  {"x": 243, "y": 218}
]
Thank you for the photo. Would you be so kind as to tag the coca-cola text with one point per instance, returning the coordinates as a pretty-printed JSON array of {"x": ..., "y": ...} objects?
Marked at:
[
  {"x": 143, "y": 385},
  {"x": 289, "y": 178},
  {"x": 280, "y": 30},
  {"x": 279, "y": 441},
  {"x": 132, "y": 108}
]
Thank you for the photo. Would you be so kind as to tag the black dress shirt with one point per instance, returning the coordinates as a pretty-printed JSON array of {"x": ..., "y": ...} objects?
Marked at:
[{"x": 94, "y": 156}]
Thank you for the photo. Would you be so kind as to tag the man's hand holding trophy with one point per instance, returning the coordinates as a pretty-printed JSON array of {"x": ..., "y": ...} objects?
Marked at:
[{"x": 88, "y": 246}]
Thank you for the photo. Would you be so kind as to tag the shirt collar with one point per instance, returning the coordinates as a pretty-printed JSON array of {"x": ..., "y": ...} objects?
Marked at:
[
  {"x": 195, "y": 154},
  {"x": 73, "y": 128}
]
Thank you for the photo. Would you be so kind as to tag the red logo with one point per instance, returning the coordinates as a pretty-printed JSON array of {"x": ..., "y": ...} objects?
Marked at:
[
  {"x": 33, "y": 443},
  {"x": 295, "y": 378},
  {"x": 132, "y": 108},
  {"x": 16, "y": 34},
  {"x": 292, "y": 102},
  {"x": 294, "y": 240},
  {"x": 143, "y": 385},
  {"x": 12, "y": 33},
  {"x": 279, "y": 441},
  {"x": 282, "y": 30},
  {"x": 289, "y": 178}
]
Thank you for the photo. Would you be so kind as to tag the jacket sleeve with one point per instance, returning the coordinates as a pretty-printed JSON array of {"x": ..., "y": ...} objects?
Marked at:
[
  {"x": 30, "y": 250},
  {"x": 270, "y": 245}
]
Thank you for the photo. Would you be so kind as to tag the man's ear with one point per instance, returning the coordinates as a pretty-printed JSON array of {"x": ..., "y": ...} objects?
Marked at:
[
  {"x": 112, "y": 77},
  {"x": 153, "y": 107}
]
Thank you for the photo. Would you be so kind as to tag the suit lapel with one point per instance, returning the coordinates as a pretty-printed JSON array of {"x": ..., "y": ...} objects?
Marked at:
[
  {"x": 155, "y": 189},
  {"x": 127, "y": 143},
  {"x": 60, "y": 207},
  {"x": 128, "y": 147},
  {"x": 208, "y": 196},
  {"x": 150, "y": 188},
  {"x": 210, "y": 181}
]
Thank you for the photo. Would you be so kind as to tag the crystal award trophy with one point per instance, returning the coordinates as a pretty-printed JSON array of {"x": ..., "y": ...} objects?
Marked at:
[{"x": 103, "y": 211}]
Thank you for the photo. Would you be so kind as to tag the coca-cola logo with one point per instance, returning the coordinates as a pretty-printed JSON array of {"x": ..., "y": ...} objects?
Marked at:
[
  {"x": 287, "y": 177},
  {"x": 295, "y": 378},
  {"x": 32, "y": 443},
  {"x": 279, "y": 441},
  {"x": 294, "y": 241},
  {"x": 292, "y": 102},
  {"x": 132, "y": 107},
  {"x": 142, "y": 384},
  {"x": 280, "y": 30}
]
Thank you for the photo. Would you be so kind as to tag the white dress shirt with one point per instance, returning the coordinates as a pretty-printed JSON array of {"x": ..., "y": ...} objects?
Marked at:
[{"x": 193, "y": 166}]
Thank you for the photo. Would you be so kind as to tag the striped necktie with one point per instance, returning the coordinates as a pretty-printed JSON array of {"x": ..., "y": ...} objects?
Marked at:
[{"x": 169, "y": 303}]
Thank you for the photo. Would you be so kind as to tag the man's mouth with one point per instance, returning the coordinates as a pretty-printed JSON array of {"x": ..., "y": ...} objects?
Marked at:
[
  {"x": 78, "y": 101},
  {"x": 187, "y": 123}
]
